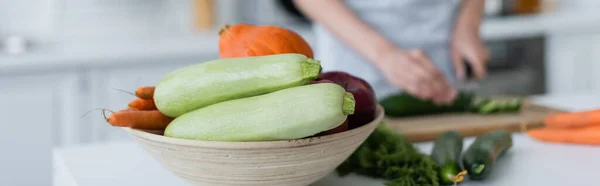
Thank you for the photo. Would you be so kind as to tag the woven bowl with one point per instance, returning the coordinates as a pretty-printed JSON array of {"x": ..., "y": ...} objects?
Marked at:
[{"x": 292, "y": 162}]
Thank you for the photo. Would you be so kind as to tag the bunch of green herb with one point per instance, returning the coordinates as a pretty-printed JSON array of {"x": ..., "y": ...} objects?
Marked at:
[{"x": 389, "y": 155}]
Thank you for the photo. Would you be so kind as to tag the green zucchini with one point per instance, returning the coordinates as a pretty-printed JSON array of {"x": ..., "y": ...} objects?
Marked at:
[
  {"x": 446, "y": 153},
  {"x": 481, "y": 156},
  {"x": 214, "y": 81},
  {"x": 400, "y": 105},
  {"x": 286, "y": 114}
]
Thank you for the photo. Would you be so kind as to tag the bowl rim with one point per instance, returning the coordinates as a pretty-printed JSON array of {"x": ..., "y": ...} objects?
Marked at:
[{"x": 137, "y": 133}]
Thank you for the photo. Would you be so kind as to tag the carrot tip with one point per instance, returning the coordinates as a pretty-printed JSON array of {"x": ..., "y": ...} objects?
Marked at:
[{"x": 104, "y": 113}]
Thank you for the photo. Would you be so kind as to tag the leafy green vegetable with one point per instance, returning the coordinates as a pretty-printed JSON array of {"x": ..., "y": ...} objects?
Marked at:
[{"x": 389, "y": 155}]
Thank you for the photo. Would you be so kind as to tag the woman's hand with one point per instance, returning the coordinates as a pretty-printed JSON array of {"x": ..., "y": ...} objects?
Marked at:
[
  {"x": 413, "y": 71},
  {"x": 467, "y": 45},
  {"x": 466, "y": 42}
]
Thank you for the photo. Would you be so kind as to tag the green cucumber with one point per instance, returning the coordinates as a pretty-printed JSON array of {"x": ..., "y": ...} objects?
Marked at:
[
  {"x": 481, "y": 156},
  {"x": 286, "y": 114},
  {"x": 446, "y": 153},
  {"x": 214, "y": 81},
  {"x": 401, "y": 105}
]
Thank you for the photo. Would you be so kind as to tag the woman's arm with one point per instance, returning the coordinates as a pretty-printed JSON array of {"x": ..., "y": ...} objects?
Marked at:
[
  {"x": 470, "y": 15},
  {"x": 410, "y": 69},
  {"x": 467, "y": 43},
  {"x": 339, "y": 20}
]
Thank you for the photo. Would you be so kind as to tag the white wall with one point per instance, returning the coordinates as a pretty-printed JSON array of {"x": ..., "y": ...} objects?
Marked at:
[
  {"x": 131, "y": 18},
  {"x": 31, "y": 18},
  {"x": 580, "y": 5}
]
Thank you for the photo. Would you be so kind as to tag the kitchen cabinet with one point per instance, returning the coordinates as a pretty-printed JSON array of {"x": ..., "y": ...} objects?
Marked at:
[{"x": 37, "y": 114}]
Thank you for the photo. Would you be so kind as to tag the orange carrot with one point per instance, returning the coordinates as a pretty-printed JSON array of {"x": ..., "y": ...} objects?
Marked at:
[
  {"x": 142, "y": 104},
  {"x": 573, "y": 119},
  {"x": 145, "y": 92},
  {"x": 584, "y": 135},
  {"x": 140, "y": 119}
]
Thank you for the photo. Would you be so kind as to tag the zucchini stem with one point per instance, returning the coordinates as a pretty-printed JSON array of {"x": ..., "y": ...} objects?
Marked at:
[
  {"x": 479, "y": 168},
  {"x": 311, "y": 69},
  {"x": 348, "y": 104},
  {"x": 458, "y": 177}
]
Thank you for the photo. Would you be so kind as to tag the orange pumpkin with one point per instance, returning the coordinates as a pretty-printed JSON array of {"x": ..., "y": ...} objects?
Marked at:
[{"x": 243, "y": 40}]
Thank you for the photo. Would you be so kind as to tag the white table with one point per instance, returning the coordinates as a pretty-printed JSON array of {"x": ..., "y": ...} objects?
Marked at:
[{"x": 528, "y": 163}]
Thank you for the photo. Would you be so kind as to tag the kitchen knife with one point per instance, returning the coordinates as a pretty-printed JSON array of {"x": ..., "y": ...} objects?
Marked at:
[{"x": 470, "y": 84}]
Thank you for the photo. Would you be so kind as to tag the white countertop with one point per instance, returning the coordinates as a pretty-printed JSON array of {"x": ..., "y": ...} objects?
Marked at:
[
  {"x": 78, "y": 52},
  {"x": 528, "y": 163}
]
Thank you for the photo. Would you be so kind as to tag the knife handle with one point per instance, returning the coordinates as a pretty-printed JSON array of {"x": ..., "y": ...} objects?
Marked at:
[{"x": 468, "y": 70}]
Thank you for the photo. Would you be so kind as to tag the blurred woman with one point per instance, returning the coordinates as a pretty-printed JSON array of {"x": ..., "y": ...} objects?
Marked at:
[{"x": 416, "y": 46}]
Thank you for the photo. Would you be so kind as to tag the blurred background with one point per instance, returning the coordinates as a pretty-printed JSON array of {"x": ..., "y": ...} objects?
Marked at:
[{"x": 60, "y": 59}]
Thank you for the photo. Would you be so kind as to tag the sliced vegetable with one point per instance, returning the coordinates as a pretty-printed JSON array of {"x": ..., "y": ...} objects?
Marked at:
[
  {"x": 482, "y": 155},
  {"x": 573, "y": 119},
  {"x": 446, "y": 153},
  {"x": 489, "y": 107},
  {"x": 589, "y": 135},
  {"x": 139, "y": 119},
  {"x": 287, "y": 114},
  {"x": 515, "y": 105},
  {"x": 364, "y": 95},
  {"x": 498, "y": 105},
  {"x": 478, "y": 103},
  {"x": 215, "y": 81}
]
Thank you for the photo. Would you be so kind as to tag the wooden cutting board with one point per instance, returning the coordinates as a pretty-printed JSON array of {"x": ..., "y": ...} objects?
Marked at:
[{"x": 427, "y": 128}]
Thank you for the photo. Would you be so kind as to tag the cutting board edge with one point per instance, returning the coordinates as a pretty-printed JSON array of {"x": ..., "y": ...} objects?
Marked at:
[{"x": 424, "y": 136}]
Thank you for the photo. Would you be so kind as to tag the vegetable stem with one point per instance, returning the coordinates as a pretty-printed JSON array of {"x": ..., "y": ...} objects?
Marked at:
[
  {"x": 479, "y": 168},
  {"x": 349, "y": 104},
  {"x": 223, "y": 29},
  {"x": 311, "y": 69},
  {"x": 459, "y": 177}
]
